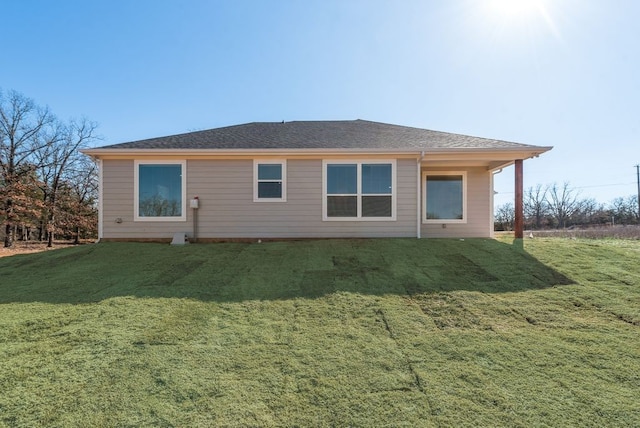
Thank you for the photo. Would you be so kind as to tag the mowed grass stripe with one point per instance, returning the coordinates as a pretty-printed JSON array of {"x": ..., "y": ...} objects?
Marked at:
[{"x": 396, "y": 332}]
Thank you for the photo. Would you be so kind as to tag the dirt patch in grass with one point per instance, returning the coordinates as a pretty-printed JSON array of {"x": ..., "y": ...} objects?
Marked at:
[{"x": 21, "y": 247}]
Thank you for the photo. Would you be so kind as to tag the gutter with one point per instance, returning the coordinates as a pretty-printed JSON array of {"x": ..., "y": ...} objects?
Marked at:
[
  {"x": 532, "y": 151},
  {"x": 419, "y": 194}
]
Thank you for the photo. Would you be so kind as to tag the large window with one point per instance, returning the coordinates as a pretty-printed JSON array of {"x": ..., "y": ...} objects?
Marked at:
[
  {"x": 359, "y": 190},
  {"x": 160, "y": 190},
  {"x": 269, "y": 183},
  {"x": 445, "y": 197}
]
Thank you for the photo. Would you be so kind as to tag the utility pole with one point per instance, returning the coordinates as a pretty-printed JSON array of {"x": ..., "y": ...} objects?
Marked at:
[{"x": 638, "y": 177}]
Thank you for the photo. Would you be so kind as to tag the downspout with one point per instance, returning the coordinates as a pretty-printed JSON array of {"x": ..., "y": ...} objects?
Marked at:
[
  {"x": 492, "y": 213},
  {"x": 100, "y": 198},
  {"x": 419, "y": 194}
]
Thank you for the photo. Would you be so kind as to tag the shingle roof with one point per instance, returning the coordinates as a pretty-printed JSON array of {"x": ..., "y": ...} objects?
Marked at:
[{"x": 352, "y": 134}]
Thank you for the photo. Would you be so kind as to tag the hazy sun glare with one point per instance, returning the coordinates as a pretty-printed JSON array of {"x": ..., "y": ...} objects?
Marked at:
[
  {"x": 508, "y": 17},
  {"x": 516, "y": 9}
]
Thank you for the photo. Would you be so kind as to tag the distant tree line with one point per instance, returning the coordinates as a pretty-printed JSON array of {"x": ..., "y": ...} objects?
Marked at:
[
  {"x": 47, "y": 187},
  {"x": 560, "y": 206}
]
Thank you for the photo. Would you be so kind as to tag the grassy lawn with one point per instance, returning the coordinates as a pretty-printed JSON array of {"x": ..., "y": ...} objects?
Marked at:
[{"x": 397, "y": 332}]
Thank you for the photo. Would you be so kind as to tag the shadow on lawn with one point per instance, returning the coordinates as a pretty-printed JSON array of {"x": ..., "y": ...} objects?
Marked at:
[{"x": 234, "y": 272}]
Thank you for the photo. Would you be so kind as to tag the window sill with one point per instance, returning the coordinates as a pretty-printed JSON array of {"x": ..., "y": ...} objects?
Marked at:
[
  {"x": 464, "y": 221},
  {"x": 269, "y": 200},
  {"x": 156, "y": 219},
  {"x": 351, "y": 219}
]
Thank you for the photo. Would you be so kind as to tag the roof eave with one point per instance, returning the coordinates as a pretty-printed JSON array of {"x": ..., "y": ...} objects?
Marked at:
[{"x": 100, "y": 152}]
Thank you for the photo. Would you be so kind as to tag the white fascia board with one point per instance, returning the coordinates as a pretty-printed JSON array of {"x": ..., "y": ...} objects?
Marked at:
[
  {"x": 239, "y": 152},
  {"x": 526, "y": 152}
]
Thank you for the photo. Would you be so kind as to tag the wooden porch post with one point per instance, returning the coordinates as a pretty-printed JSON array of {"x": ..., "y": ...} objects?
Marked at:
[{"x": 518, "y": 226}]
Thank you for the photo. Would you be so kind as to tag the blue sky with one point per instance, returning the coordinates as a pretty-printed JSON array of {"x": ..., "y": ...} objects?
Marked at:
[{"x": 564, "y": 73}]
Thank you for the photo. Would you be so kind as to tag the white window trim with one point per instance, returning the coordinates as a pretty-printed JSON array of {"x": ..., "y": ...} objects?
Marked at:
[
  {"x": 136, "y": 189},
  {"x": 283, "y": 163},
  {"x": 359, "y": 163},
  {"x": 425, "y": 174}
]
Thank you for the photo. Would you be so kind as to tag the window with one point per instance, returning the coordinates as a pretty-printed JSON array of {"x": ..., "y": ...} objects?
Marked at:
[
  {"x": 269, "y": 184},
  {"x": 159, "y": 191},
  {"x": 445, "y": 197},
  {"x": 359, "y": 190}
]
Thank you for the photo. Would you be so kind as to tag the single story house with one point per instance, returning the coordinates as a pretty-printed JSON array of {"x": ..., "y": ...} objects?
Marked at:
[{"x": 303, "y": 179}]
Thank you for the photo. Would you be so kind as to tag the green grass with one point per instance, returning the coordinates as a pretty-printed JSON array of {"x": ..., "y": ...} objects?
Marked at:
[{"x": 396, "y": 332}]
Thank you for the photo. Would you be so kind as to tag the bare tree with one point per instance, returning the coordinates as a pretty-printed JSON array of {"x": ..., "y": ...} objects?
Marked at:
[
  {"x": 39, "y": 161},
  {"x": 536, "y": 207},
  {"x": 81, "y": 192},
  {"x": 561, "y": 206},
  {"x": 563, "y": 203},
  {"x": 505, "y": 216},
  {"x": 587, "y": 212},
  {"x": 22, "y": 124},
  {"x": 57, "y": 161},
  {"x": 624, "y": 209},
  {"x": 634, "y": 203}
]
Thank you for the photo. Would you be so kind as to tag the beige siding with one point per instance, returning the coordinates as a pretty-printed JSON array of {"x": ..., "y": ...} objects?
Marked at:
[
  {"x": 118, "y": 201},
  {"x": 227, "y": 209},
  {"x": 479, "y": 211}
]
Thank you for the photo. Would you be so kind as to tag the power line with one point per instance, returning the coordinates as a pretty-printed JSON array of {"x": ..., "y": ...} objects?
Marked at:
[
  {"x": 586, "y": 187},
  {"x": 603, "y": 185}
]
